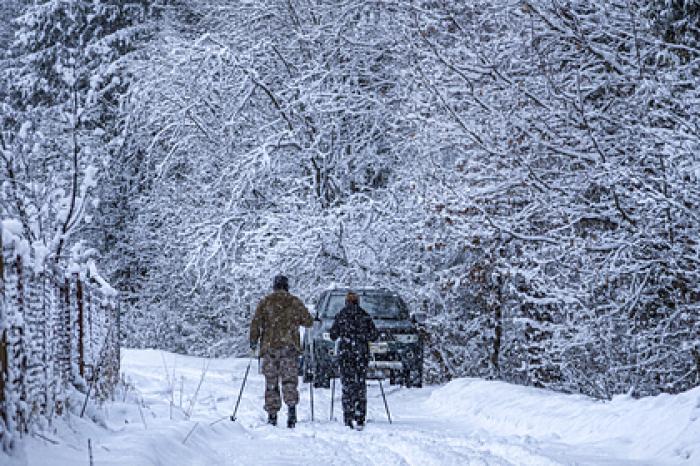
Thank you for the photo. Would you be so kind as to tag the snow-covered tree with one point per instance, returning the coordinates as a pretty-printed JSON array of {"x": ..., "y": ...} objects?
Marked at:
[
  {"x": 572, "y": 129},
  {"x": 272, "y": 161},
  {"x": 526, "y": 172},
  {"x": 60, "y": 125}
]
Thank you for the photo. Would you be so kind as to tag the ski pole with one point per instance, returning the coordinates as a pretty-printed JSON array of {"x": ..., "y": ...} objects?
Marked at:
[
  {"x": 332, "y": 396},
  {"x": 313, "y": 379},
  {"x": 240, "y": 394},
  {"x": 311, "y": 399},
  {"x": 386, "y": 405}
]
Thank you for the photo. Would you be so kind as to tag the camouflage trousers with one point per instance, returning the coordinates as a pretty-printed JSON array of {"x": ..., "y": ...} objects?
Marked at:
[{"x": 280, "y": 365}]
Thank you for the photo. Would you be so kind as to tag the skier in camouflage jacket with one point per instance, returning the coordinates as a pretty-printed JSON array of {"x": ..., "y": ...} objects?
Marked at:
[{"x": 275, "y": 327}]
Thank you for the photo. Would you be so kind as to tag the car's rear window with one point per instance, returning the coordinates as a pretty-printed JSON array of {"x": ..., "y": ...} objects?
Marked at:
[{"x": 379, "y": 306}]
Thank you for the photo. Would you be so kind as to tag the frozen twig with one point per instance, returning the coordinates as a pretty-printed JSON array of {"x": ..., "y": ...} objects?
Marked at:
[
  {"x": 43, "y": 437},
  {"x": 190, "y": 432},
  {"x": 92, "y": 462},
  {"x": 193, "y": 401},
  {"x": 143, "y": 418}
]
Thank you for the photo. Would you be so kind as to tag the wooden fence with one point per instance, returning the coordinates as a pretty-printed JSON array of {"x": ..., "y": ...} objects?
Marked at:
[{"x": 59, "y": 332}]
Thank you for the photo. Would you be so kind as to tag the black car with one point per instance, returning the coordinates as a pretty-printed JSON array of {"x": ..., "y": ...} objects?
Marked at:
[{"x": 397, "y": 355}]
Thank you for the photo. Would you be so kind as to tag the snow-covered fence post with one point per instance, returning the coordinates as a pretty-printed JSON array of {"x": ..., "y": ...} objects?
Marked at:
[
  {"x": 105, "y": 359},
  {"x": 50, "y": 312},
  {"x": 81, "y": 324},
  {"x": 103, "y": 356},
  {"x": 113, "y": 312},
  {"x": 43, "y": 334},
  {"x": 114, "y": 328},
  {"x": 90, "y": 333},
  {"x": 33, "y": 323},
  {"x": 116, "y": 311},
  {"x": 62, "y": 335},
  {"x": 4, "y": 311},
  {"x": 65, "y": 329},
  {"x": 100, "y": 335},
  {"x": 13, "y": 406},
  {"x": 76, "y": 377},
  {"x": 19, "y": 343}
]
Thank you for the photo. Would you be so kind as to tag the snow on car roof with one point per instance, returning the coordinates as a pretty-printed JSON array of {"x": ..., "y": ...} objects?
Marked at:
[{"x": 364, "y": 289}]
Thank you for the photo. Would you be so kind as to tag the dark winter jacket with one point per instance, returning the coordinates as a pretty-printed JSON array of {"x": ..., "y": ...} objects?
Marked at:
[
  {"x": 277, "y": 320},
  {"x": 355, "y": 328}
]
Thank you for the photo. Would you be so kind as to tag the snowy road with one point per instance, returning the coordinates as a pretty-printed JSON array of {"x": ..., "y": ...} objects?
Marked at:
[{"x": 466, "y": 422}]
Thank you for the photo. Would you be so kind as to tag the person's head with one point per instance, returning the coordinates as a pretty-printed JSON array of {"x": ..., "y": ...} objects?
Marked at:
[
  {"x": 352, "y": 298},
  {"x": 280, "y": 282}
]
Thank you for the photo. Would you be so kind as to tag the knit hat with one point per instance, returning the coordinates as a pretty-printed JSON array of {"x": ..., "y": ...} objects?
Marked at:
[
  {"x": 280, "y": 282},
  {"x": 352, "y": 298}
]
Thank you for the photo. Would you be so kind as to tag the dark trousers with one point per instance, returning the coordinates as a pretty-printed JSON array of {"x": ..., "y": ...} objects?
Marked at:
[{"x": 354, "y": 380}]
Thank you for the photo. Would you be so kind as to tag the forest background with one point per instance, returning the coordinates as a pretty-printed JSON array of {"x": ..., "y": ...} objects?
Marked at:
[{"x": 525, "y": 172}]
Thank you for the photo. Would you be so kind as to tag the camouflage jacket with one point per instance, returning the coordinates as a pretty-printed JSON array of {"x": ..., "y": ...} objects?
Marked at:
[{"x": 277, "y": 320}]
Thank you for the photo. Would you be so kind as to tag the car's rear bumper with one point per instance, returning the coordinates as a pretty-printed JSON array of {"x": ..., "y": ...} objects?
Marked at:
[{"x": 383, "y": 369}]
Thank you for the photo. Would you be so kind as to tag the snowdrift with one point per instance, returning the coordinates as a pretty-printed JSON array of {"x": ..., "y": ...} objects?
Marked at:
[{"x": 664, "y": 428}]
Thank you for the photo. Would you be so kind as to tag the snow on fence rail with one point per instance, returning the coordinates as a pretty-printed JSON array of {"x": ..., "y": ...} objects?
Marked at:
[{"x": 58, "y": 330}]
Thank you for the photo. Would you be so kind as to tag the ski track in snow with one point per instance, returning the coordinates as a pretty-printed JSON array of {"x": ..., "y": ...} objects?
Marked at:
[{"x": 421, "y": 434}]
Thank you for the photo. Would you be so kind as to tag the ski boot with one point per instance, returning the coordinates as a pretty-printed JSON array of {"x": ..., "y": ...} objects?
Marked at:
[
  {"x": 292, "y": 417},
  {"x": 272, "y": 419},
  {"x": 359, "y": 424},
  {"x": 347, "y": 420}
]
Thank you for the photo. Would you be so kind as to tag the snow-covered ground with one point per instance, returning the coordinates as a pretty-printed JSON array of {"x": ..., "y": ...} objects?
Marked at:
[{"x": 467, "y": 421}]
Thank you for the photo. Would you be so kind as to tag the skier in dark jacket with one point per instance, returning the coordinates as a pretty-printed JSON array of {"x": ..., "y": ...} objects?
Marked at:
[{"x": 355, "y": 329}]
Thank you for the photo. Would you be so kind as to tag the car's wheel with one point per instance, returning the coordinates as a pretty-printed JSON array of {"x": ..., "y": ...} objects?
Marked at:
[
  {"x": 322, "y": 380},
  {"x": 393, "y": 379},
  {"x": 321, "y": 376},
  {"x": 415, "y": 379}
]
